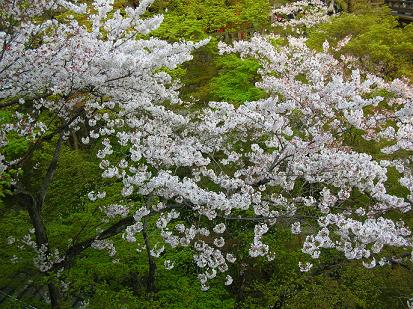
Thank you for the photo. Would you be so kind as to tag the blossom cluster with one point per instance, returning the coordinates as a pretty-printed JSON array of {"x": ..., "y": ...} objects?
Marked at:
[
  {"x": 301, "y": 13},
  {"x": 255, "y": 157}
]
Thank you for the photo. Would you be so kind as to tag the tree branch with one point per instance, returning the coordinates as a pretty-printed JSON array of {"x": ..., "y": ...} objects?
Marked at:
[
  {"x": 43, "y": 138},
  {"x": 10, "y": 102},
  {"x": 75, "y": 250},
  {"x": 50, "y": 171}
]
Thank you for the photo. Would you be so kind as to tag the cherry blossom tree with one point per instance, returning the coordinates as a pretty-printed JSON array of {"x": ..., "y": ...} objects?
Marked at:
[
  {"x": 286, "y": 160},
  {"x": 76, "y": 73},
  {"x": 282, "y": 160}
]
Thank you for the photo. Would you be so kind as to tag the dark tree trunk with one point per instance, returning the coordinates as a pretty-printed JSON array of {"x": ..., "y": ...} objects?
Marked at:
[
  {"x": 34, "y": 204},
  {"x": 55, "y": 297},
  {"x": 33, "y": 208},
  {"x": 349, "y": 6},
  {"x": 75, "y": 141},
  {"x": 151, "y": 263}
]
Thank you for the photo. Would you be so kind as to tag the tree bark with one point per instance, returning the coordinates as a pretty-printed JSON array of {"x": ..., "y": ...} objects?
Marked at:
[
  {"x": 34, "y": 204},
  {"x": 75, "y": 141},
  {"x": 112, "y": 230},
  {"x": 349, "y": 6},
  {"x": 151, "y": 263},
  {"x": 55, "y": 296},
  {"x": 27, "y": 200}
]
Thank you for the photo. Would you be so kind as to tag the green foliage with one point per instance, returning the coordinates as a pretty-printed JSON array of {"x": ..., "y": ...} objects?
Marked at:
[
  {"x": 380, "y": 44},
  {"x": 214, "y": 19},
  {"x": 235, "y": 80},
  {"x": 333, "y": 283},
  {"x": 15, "y": 148},
  {"x": 196, "y": 19},
  {"x": 255, "y": 13},
  {"x": 199, "y": 73}
]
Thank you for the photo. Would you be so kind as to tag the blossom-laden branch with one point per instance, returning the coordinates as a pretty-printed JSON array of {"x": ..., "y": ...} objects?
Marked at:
[
  {"x": 303, "y": 13},
  {"x": 255, "y": 156}
]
